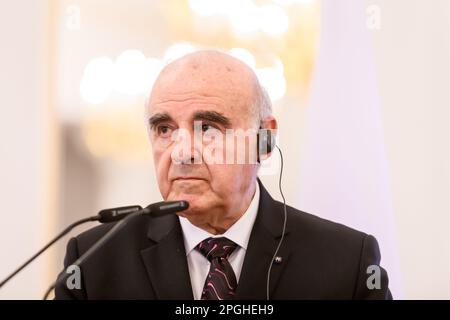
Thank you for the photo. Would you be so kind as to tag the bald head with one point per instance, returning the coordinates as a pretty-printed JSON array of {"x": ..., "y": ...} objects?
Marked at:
[{"x": 215, "y": 73}]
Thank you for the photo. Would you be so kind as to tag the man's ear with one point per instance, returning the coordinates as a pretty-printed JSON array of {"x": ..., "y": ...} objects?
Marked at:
[{"x": 270, "y": 124}]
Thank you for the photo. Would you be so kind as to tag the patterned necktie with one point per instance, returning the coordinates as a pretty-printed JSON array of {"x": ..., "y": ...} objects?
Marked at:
[{"x": 221, "y": 281}]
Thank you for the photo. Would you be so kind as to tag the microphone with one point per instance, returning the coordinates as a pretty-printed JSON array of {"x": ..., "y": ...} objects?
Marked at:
[
  {"x": 105, "y": 216},
  {"x": 158, "y": 209},
  {"x": 116, "y": 214},
  {"x": 166, "y": 207}
]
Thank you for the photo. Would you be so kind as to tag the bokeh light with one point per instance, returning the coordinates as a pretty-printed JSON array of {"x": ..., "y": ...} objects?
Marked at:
[{"x": 97, "y": 82}]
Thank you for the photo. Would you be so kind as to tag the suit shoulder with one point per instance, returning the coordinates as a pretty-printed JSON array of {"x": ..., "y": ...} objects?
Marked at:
[
  {"x": 329, "y": 241},
  {"x": 92, "y": 235},
  {"x": 313, "y": 225},
  {"x": 136, "y": 230}
]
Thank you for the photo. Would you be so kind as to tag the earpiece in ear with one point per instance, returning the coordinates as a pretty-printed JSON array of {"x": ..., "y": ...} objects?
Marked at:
[{"x": 265, "y": 142}]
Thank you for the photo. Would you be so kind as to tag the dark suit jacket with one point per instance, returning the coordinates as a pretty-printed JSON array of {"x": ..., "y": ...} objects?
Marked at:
[{"x": 147, "y": 260}]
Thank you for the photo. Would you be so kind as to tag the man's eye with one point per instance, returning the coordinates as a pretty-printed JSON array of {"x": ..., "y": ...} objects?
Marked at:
[
  {"x": 206, "y": 127},
  {"x": 164, "y": 131}
]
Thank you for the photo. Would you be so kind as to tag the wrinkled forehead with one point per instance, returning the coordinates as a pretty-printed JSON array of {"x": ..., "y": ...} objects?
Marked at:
[{"x": 207, "y": 74}]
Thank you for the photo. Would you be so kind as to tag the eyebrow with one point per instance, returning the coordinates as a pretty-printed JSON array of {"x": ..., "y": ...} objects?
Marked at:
[
  {"x": 212, "y": 116},
  {"x": 158, "y": 118}
]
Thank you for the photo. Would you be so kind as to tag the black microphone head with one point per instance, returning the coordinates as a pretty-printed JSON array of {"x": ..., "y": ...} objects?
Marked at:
[
  {"x": 166, "y": 207},
  {"x": 115, "y": 214}
]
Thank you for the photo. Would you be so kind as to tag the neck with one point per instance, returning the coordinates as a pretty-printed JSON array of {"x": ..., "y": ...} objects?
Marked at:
[{"x": 220, "y": 220}]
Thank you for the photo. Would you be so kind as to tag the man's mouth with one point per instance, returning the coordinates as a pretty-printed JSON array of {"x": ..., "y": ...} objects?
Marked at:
[{"x": 187, "y": 178}]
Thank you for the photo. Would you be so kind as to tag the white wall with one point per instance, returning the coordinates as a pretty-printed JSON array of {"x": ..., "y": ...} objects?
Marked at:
[
  {"x": 413, "y": 64},
  {"x": 23, "y": 143}
]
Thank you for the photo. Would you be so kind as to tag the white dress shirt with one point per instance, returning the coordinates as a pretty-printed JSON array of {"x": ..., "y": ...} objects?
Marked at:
[{"x": 239, "y": 233}]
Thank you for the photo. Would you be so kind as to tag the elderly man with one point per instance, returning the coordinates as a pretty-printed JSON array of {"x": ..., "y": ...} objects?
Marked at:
[{"x": 222, "y": 246}]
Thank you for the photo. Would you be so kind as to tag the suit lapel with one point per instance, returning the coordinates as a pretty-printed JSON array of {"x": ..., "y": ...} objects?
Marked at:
[
  {"x": 263, "y": 242},
  {"x": 166, "y": 261}
]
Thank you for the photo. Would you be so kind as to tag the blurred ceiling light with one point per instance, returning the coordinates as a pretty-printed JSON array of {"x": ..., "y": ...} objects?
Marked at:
[
  {"x": 273, "y": 20},
  {"x": 278, "y": 64},
  {"x": 177, "y": 51},
  {"x": 244, "y": 17},
  {"x": 284, "y": 2},
  {"x": 153, "y": 67},
  {"x": 97, "y": 81},
  {"x": 244, "y": 55},
  {"x": 289, "y": 2},
  {"x": 204, "y": 7},
  {"x": 273, "y": 81},
  {"x": 212, "y": 7},
  {"x": 131, "y": 75},
  {"x": 229, "y": 6}
]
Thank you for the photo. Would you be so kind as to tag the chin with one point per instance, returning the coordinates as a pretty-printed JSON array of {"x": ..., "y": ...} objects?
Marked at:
[
  {"x": 192, "y": 211},
  {"x": 186, "y": 191},
  {"x": 196, "y": 205},
  {"x": 189, "y": 197},
  {"x": 199, "y": 197}
]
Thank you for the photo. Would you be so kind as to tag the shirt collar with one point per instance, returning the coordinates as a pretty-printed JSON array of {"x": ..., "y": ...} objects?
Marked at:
[{"x": 239, "y": 232}]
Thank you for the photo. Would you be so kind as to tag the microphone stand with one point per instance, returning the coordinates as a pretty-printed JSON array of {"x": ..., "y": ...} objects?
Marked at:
[
  {"x": 157, "y": 210},
  {"x": 117, "y": 227},
  {"x": 59, "y": 236},
  {"x": 106, "y": 215}
]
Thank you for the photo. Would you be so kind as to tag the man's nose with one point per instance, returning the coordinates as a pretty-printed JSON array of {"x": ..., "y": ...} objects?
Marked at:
[
  {"x": 192, "y": 157},
  {"x": 187, "y": 150}
]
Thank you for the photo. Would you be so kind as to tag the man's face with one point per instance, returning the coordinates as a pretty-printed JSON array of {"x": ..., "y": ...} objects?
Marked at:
[{"x": 174, "y": 108}]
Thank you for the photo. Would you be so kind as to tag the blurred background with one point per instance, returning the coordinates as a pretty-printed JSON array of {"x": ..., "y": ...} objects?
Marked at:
[{"x": 359, "y": 87}]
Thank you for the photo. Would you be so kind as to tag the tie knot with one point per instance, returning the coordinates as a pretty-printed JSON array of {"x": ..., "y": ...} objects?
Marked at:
[{"x": 213, "y": 248}]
